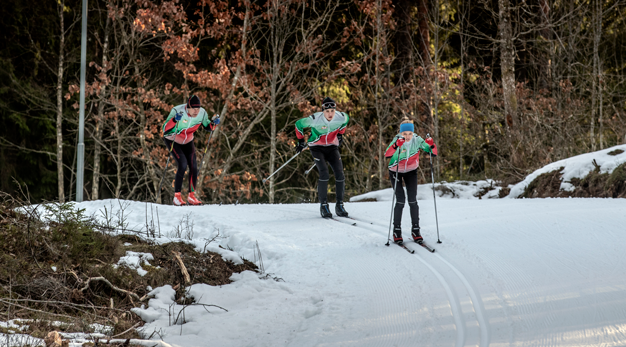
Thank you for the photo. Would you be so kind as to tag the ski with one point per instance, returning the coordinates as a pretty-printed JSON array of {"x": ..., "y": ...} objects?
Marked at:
[
  {"x": 358, "y": 220},
  {"x": 338, "y": 221},
  {"x": 423, "y": 244},
  {"x": 405, "y": 248}
]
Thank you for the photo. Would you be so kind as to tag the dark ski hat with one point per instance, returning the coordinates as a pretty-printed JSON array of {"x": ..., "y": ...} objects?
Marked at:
[
  {"x": 328, "y": 103},
  {"x": 193, "y": 102}
]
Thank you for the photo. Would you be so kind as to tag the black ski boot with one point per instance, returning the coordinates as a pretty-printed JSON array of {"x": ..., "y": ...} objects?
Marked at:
[
  {"x": 339, "y": 210},
  {"x": 325, "y": 211},
  {"x": 415, "y": 232},
  {"x": 397, "y": 234}
]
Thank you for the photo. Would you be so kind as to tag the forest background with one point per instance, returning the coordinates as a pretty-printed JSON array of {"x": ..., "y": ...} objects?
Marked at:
[{"x": 503, "y": 86}]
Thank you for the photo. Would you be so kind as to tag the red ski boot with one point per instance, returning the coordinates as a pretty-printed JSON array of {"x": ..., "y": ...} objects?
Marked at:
[
  {"x": 178, "y": 199},
  {"x": 192, "y": 200},
  {"x": 415, "y": 232},
  {"x": 397, "y": 234}
]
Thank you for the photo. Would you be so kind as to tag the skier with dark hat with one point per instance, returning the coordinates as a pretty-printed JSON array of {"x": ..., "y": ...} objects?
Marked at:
[
  {"x": 327, "y": 129},
  {"x": 404, "y": 152},
  {"x": 178, "y": 131}
]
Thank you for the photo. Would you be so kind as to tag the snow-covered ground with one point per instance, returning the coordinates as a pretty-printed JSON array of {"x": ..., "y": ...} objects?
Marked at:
[{"x": 510, "y": 272}]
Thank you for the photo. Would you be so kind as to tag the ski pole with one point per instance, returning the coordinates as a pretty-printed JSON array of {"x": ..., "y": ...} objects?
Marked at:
[
  {"x": 169, "y": 154},
  {"x": 432, "y": 178},
  {"x": 280, "y": 168},
  {"x": 393, "y": 199},
  {"x": 217, "y": 116},
  {"x": 309, "y": 170}
]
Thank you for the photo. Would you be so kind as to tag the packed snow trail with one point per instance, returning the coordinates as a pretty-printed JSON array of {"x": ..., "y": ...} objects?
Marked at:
[
  {"x": 453, "y": 297},
  {"x": 540, "y": 272}
]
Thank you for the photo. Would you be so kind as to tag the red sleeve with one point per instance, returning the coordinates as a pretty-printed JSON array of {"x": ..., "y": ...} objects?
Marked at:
[
  {"x": 434, "y": 150},
  {"x": 169, "y": 125},
  {"x": 299, "y": 135},
  {"x": 390, "y": 151}
]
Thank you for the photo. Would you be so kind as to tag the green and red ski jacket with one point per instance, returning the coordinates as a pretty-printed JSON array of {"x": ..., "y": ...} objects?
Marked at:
[
  {"x": 323, "y": 132},
  {"x": 406, "y": 158},
  {"x": 182, "y": 131}
]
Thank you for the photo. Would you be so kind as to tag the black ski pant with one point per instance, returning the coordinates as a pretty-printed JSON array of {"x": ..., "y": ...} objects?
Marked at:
[
  {"x": 185, "y": 155},
  {"x": 330, "y": 154},
  {"x": 410, "y": 181}
]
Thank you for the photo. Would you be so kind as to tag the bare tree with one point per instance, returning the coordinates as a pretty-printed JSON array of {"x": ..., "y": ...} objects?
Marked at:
[
  {"x": 100, "y": 116},
  {"x": 288, "y": 50},
  {"x": 507, "y": 64},
  {"x": 59, "y": 106}
]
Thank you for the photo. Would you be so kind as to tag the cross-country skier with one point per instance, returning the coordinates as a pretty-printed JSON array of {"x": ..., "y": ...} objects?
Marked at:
[
  {"x": 404, "y": 152},
  {"x": 178, "y": 131},
  {"x": 327, "y": 129}
]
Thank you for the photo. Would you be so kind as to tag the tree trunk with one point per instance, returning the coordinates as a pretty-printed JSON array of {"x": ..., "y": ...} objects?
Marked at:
[
  {"x": 545, "y": 60},
  {"x": 437, "y": 98},
  {"x": 404, "y": 42},
  {"x": 462, "y": 86},
  {"x": 100, "y": 120},
  {"x": 424, "y": 31},
  {"x": 142, "y": 139},
  {"x": 223, "y": 114},
  {"x": 595, "y": 85},
  {"x": 507, "y": 66},
  {"x": 118, "y": 187},
  {"x": 59, "y": 120},
  {"x": 275, "y": 53},
  {"x": 379, "y": 113},
  {"x": 424, "y": 111},
  {"x": 272, "y": 147}
]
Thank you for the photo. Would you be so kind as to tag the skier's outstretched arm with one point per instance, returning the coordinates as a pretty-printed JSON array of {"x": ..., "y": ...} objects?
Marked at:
[{"x": 398, "y": 141}]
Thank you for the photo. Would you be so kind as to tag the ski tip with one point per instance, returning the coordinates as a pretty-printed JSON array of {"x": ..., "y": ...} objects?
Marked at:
[{"x": 353, "y": 224}]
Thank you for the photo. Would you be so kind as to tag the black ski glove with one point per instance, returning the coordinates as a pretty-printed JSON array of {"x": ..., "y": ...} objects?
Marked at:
[
  {"x": 301, "y": 146},
  {"x": 340, "y": 139}
]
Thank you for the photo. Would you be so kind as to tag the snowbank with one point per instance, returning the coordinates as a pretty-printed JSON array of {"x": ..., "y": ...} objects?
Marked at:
[
  {"x": 182, "y": 224},
  {"x": 135, "y": 260},
  {"x": 576, "y": 167},
  {"x": 453, "y": 190}
]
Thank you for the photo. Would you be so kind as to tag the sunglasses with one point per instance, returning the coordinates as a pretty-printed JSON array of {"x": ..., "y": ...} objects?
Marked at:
[{"x": 328, "y": 105}]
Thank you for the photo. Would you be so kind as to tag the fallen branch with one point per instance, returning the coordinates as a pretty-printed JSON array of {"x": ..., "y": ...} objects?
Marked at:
[
  {"x": 45, "y": 312},
  {"x": 147, "y": 296},
  {"x": 129, "y": 329},
  {"x": 196, "y": 304},
  {"x": 52, "y": 302},
  {"x": 131, "y": 294},
  {"x": 183, "y": 269}
]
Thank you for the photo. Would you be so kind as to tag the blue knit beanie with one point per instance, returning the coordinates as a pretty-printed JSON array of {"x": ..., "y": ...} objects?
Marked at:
[{"x": 407, "y": 127}]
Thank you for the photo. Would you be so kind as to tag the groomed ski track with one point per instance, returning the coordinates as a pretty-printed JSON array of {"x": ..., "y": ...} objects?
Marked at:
[
  {"x": 541, "y": 272},
  {"x": 463, "y": 315}
]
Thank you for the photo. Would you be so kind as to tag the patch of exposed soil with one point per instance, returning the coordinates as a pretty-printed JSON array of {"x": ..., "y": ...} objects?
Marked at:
[
  {"x": 594, "y": 185},
  {"x": 66, "y": 270}
]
